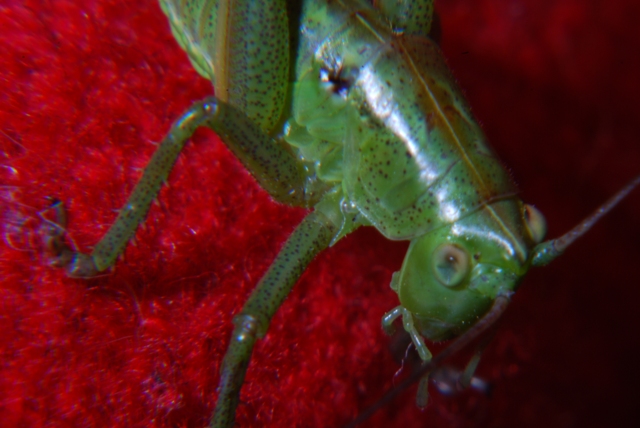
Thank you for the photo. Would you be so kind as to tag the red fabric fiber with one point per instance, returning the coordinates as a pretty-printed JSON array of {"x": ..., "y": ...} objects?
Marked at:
[{"x": 87, "y": 87}]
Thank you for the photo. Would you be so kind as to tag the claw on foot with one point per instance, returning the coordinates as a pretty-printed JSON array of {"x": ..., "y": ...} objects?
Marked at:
[{"x": 59, "y": 252}]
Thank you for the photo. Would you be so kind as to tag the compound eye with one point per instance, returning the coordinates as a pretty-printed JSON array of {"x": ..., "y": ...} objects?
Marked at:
[
  {"x": 536, "y": 223},
  {"x": 450, "y": 264}
]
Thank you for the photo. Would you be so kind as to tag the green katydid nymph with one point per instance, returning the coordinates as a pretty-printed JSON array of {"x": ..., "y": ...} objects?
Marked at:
[{"x": 348, "y": 108}]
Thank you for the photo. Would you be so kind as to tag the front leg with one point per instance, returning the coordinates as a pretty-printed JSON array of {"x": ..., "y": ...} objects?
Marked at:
[
  {"x": 312, "y": 236},
  {"x": 422, "y": 396}
]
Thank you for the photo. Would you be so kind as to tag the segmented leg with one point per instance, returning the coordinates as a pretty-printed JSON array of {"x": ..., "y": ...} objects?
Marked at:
[
  {"x": 422, "y": 396},
  {"x": 312, "y": 236},
  {"x": 461, "y": 381},
  {"x": 407, "y": 322},
  {"x": 465, "y": 378},
  {"x": 275, "y": 169}
]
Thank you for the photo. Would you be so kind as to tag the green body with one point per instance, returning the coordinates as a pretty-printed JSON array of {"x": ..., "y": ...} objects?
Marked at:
[
  {"x": 349, "y": 109},
  {"x": 373, "y": 114}
]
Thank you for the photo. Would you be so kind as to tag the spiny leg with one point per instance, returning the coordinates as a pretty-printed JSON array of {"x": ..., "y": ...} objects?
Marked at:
[
  {"x": 312, "y": 236},
  {"x": 135, "y": 209},
  {"x": 275, "y": 169}
]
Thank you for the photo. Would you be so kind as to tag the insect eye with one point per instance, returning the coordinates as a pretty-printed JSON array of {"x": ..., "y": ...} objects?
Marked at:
[
  {"x": 536, "y": 223},
  {"x": 450, "y": 264}
]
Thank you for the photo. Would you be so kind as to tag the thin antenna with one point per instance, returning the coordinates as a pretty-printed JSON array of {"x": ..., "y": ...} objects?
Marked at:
[
  {"x": 547, "y": 251},
  {"x": 498, "y": 308}
]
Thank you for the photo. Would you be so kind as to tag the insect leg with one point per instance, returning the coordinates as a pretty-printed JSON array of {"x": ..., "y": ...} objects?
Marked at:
[
  {"x": 134, "y": 211},
  {"x": 275, "y": 169},
  {"x": 497, "y": 309},
  {"x": 242, "y": 46},
  {"x": 312, "y": 236},
  {"x": 422, "y": 397},
  {"x": 418, "y": 341},
  {"x": 465, "y": 379},
  {"x": 52, "y": 234}
]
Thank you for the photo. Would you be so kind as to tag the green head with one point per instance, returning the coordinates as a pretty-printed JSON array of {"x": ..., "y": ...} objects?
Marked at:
[{"x": 451, "y": 276}]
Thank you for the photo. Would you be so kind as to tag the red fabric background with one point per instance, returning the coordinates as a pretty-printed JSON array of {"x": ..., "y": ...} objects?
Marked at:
[{"x": 87, "y": 86}]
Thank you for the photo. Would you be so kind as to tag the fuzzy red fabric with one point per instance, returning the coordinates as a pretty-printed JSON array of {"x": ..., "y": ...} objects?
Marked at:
[{"x": 87, "y": 87}]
